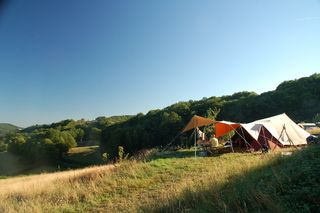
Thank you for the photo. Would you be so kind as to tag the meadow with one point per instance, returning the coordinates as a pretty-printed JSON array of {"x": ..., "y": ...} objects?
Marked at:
[{"x": 174, "y": 182}]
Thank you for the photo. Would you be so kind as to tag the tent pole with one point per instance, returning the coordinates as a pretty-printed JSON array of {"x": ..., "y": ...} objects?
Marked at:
[
  {"x": 285, "y": 131},
  {"x": 291, "y": 142},
  {"x": 231, "y": 145},
  {"x": 195, "y": 143},
  {"x": 264, "y": 136},
  {"x": 243, "y": 134},
  {"x": 164, "y": 149}
]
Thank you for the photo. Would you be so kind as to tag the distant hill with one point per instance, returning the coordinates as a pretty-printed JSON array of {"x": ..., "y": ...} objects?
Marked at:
[{"x": 7, "y": 128}]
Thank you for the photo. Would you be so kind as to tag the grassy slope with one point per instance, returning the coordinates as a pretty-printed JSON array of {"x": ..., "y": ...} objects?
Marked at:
[
  {"x": 12, "y": 165},
  {"x": 82, "y": 156},
  {"x": 171, "y": 183}
]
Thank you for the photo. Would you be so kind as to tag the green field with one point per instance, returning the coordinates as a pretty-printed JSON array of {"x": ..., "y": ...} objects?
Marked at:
[
  {"x": 176, "y": 182},
  {"x": 82, "y": 156},
  {"x": 12, "y": 165}
]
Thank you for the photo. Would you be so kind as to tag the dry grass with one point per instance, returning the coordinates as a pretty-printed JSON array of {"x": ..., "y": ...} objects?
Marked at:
[
  {"x": 37, "y": 193},
  {"x": 132, "y": 186}
]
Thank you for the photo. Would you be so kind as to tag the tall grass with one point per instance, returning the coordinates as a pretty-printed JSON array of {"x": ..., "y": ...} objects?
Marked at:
[{"x": 169, "y": 182}]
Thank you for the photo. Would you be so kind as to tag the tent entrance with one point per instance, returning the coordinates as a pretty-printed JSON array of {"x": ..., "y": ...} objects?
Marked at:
[{"x": 266, "y": 138}]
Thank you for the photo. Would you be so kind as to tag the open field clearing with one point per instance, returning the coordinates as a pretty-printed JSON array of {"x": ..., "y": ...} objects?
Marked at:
[{"x": 172, "y": 182}]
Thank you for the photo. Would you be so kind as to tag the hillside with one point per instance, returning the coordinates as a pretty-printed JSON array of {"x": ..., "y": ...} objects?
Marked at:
[
  {"x": 175, "y": 182},
  {"x": 7, "y": 128},
  {"x": 50, "y": 142},
  {"x": 299, "y": 99}
]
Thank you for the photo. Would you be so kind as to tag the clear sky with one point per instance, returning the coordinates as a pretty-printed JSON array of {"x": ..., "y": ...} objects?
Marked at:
[{"x": 77, "y": 59}]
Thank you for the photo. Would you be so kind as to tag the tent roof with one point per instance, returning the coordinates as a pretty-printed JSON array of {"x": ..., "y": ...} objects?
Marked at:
[
  {"x": 277, "y": 123},
  {"x": 275, "y": 126},
  {"x": 197, "y": 121},
  {"x": 223, "y": 127}
]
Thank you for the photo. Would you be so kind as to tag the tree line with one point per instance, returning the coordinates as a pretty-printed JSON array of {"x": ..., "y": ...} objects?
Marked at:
[{"x": 50, "y": 142}]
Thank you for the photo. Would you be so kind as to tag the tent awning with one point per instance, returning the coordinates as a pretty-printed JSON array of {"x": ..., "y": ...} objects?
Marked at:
[
  {"x": 197, "y": 121},
  {"x": 223, "y": 127}
]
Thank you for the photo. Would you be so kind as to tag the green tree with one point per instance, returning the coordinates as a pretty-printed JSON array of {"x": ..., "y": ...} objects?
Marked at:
[
  {"x": 16, "y": 144},
  {"x": 316, "y": 118},
  {"x": 120, "y": 153},
  {"x": 3, "y": 146}
]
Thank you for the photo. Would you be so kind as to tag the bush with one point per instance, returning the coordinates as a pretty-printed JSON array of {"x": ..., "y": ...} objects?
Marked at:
[
  {"x": 3, "y": 147},
  {"x": 47, "y": 144}
]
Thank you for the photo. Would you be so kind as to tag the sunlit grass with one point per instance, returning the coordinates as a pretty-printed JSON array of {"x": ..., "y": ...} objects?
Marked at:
[
  {"x": 169, "y": 182},
  {"x": 315, "y": 131}
]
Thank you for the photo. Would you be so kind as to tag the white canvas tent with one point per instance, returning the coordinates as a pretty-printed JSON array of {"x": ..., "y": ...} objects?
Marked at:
[
  {"x": 281, "y": 127},
  {"x": 278, "y": 130}
]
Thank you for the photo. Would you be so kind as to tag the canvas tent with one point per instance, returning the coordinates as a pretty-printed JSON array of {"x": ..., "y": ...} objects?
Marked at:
[
  {"x": 224, "y": 127},
  {"x": 197, "y": 121},
  {"x": 275, "y": 131}
]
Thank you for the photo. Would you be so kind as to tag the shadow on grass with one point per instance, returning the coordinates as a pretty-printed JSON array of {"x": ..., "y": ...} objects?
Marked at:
[
  {"x": 286, "y": 184},
  {"x": 187, "y": 153},
  {"x": 12, "y": 165},
  {"x": 172, "y": 154}
]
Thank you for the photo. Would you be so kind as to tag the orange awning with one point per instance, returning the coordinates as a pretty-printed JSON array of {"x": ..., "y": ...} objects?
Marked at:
[
  {"x": 197, "y": 121},
  {"x": 223, "y": 127}
]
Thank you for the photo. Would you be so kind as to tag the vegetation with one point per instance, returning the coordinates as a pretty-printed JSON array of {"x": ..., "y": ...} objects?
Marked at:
[
  {"x": 11, "y": 165},
  {"x": 315, "y": 131},
  {"x": 316, "y": 118},
  {"x": 298, "y": 98},
  {"x": 81, "y": 157},
  {"x": 51, "y": 142},
  {"x": 175, "y": 182},
  {"x": 4, "y": 130},
  {"x": 78, "y": 157},
  {"x": 39, "y": 145},
  {"x": 7, "y": 128}
]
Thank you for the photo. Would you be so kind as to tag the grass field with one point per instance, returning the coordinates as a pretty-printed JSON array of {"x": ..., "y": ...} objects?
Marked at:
[
  {"x": 175, "y": 182},
  {"x": 11, "y": 165},
  {"x": 82, "y": 156}
]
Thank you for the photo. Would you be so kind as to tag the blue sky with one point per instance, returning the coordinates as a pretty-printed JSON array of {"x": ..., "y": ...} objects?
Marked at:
[{"x": 83, "y": 59}]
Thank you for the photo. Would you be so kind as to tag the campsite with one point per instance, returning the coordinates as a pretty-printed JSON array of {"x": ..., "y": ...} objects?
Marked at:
[
  {"x": 198, "y": 162},
  {"x": 159, "y": 106},
  {"x": 266, "y": 134},
  {"x": 185, "y": 179}
]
